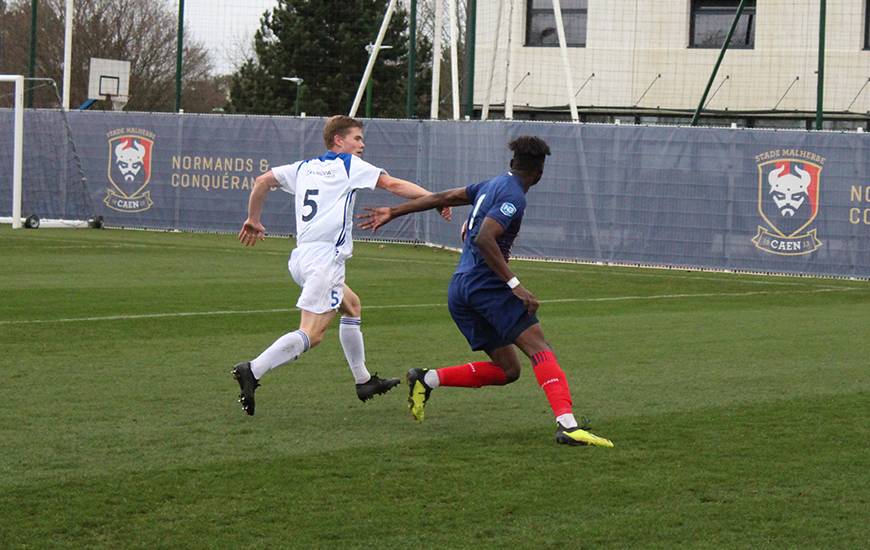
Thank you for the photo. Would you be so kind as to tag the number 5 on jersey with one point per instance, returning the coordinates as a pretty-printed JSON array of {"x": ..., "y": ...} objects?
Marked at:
[{"x": 307, "y": 200}]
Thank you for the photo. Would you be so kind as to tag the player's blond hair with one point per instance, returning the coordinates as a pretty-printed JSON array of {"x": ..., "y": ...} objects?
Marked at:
[{"x": 338, "y": 125}]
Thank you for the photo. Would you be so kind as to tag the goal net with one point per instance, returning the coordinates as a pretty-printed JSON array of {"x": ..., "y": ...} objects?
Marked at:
[{"x": 53, "y": 188}]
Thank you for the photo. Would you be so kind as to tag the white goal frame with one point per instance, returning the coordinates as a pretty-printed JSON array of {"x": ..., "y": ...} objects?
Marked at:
[
  {"x": 18, "y": 148},
  {"x": 16, "y": 219}
]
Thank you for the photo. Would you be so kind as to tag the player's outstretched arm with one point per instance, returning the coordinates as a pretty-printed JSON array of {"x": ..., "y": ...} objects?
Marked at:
[
  {"x": 373, "y": 218},
  {"x": 408, "y": 190},
  {"x": 403, "y": 188},
  {"x": 253, "y": 230}
]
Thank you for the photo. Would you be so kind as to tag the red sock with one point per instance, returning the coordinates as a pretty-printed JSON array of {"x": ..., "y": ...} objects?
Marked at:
[
  {"x": 472, "y": 375},
  {"x": 552, "y": 380}
]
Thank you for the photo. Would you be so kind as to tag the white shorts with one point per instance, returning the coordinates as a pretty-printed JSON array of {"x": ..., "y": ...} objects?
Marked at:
[{"x": 319, "y": 270}]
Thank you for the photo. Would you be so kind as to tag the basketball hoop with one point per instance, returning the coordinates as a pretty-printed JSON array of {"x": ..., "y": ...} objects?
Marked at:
[
  {"x": 109, "y": 80},
  {"x": 118, "y": 101}
]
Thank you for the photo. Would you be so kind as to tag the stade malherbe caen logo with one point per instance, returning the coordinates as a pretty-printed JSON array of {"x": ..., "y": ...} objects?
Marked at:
[
  {"x": 130, "y": 153},
  {"x": 788, "y": 201}
]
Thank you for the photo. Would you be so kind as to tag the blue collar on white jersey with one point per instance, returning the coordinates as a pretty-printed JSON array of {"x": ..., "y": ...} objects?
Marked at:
[{"x": 332, "y": 155}]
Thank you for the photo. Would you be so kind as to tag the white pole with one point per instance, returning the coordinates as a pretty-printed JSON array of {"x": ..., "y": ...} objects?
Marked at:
[
  {"x": 372, "y": 57},
  {"x": 454, "y": 63},
  {"x": 436, "y": 60},
  {"x": 563, "y": 48},
  {"x": 18, "y": 148},
  {"x": 67, "y": 53},
  {"x": 509, "y": 81},
  {"x": 488, "y": 97},
  {"x": 18, "y": 152}
]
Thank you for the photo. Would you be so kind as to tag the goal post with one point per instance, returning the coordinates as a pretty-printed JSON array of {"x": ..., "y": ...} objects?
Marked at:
[
  {"x": 18, "y": 147},
  {"x": 48, "y": 185}
]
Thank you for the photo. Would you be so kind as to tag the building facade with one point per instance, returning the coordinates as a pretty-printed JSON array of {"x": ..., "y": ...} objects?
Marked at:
[{"x": 650, "y": 61}]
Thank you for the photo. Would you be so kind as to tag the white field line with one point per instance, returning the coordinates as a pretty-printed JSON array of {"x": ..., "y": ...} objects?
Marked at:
[
  {"x": 667, "y": 273},
  {"x": 414, "y": 306},
  {"x": 528, "y": 265}
]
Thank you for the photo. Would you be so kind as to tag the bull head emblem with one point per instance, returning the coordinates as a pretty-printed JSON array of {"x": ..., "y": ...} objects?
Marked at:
[
  {"x": 130, "y": 157},
  {"x": 789, "y": 191}
]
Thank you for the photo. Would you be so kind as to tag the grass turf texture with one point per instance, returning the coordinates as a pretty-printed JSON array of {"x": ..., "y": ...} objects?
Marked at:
[{"x": 738, "y": 406}]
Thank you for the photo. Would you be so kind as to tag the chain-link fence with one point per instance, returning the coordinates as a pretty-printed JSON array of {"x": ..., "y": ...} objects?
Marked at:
[{"x": 638, "y": 62}]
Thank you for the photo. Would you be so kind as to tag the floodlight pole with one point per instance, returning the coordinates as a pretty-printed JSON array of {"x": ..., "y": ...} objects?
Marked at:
[
  {"x": 369, "y": 92},
  {"x": 298, "y": 97},
  {"x": 454, "y": 62},
  {"x": 31, "y": 66},
  {"x": 718, "y": 62},
  {"x": 370, "y": 83},
  {"x": 566, "y": 66},
  {"x": 178, "y": 52},
  {"x": 372, "y": 57},
  {"x": 436, "y": 61},
  {"x": 411, "y": 100},
  {"x": 487, "y": 97},
  {"x": 820, "y": 87},
  {"x": 298, "y": 81},
  {"x": 509, "y": 77},
  {"x": 67, "y": 53},
  {"x": 470, "y": 37}
]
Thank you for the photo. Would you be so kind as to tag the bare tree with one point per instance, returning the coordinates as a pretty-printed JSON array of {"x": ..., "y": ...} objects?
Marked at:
[{"x": 143, "y": 33}]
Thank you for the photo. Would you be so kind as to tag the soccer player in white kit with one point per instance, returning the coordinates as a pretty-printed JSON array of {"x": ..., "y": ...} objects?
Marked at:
[{"x": 324, "y": 189}]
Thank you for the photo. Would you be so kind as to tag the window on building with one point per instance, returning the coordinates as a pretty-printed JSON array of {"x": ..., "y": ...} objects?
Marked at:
[
  {"x": 541, "y": 23},
  {"x": 711, "y": 20},
  {"x": 867, "y": 26}
]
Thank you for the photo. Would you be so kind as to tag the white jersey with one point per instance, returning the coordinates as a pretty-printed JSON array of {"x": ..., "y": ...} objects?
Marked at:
[{"x": 324, "y": 189}]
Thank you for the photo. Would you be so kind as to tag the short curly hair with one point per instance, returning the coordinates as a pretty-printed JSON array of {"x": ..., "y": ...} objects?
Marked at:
[{"x": 530, "y": 152}]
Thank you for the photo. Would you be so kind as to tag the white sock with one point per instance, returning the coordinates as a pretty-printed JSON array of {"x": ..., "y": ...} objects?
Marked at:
[
  {"x": 285, "y": 349},
  {"x": 431, "y": 379},
  {"x": 350, "y": 335},
  {"x": 567, "y": 420}
]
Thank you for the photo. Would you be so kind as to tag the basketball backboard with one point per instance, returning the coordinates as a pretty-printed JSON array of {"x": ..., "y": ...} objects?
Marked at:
[{"x": 109, "y": 79}]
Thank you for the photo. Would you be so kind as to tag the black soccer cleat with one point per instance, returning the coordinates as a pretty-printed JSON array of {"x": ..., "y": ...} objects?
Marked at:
[
  {"x": 579, "y": 437},
  {"x": 247, "y": 383},
  {"x": 375, "y": 386},
  {"x": 418, "y": 393}
]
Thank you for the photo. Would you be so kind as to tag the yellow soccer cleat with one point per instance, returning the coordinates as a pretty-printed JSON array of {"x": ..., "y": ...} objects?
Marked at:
[
  {"x": 579, "y": 436},
  {"x": 418, "y": 393}
]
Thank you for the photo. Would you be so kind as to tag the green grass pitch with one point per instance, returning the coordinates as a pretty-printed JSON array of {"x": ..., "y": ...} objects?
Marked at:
[{"x": 738, "y": 405}]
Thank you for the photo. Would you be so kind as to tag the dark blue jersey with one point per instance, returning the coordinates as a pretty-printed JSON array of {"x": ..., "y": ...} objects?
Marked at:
[{"x": 503, "y": 199}]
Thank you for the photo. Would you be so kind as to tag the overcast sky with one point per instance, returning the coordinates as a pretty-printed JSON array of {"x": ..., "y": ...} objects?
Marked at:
[{"x": 226, "y": 27}]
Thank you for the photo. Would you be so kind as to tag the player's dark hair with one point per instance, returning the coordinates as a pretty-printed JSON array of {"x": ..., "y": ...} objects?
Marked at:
[
  {"x": 530, "y": 152},
  {"x": 339, "y": 125}
]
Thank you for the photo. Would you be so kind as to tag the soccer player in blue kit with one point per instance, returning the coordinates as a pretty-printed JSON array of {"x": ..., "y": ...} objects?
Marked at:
[{"x": 489, "y": 305}]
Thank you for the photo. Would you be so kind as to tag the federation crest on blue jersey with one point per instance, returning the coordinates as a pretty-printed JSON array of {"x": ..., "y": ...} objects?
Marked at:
[
  {"x": 788, "y": 202},
  {"x": 129, "y": 172},
  {"x": 508, "y": 209}
]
